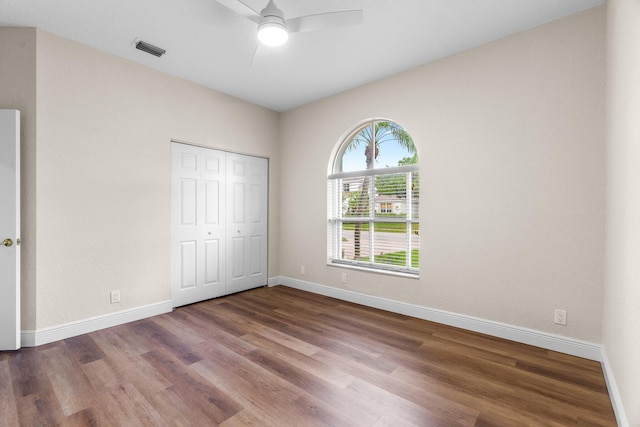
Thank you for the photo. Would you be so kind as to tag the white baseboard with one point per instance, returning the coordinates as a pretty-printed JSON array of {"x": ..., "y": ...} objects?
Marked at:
[
  {"x": 614, "y": 394},
  {"x": 545, "y": 340},
  {"x": 68, "y": 330},
  {"x": 274, "y": 281}
]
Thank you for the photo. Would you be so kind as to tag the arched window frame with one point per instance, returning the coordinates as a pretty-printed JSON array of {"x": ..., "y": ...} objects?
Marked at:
[{"x": 372, "y": 222}]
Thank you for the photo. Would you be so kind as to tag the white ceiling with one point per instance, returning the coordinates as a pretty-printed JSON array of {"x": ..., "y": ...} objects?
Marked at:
[{"x": 208, "y": 44}]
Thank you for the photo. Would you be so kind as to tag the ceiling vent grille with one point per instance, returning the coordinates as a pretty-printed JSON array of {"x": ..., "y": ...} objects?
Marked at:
[{"x": 149, "y": 48}]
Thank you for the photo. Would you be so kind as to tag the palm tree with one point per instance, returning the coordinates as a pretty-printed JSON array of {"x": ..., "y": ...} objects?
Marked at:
[{"x": 372, "y": 137}]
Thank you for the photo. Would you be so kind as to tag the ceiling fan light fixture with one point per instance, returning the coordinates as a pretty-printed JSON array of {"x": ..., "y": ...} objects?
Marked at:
[{"x": 273, "y": 32}]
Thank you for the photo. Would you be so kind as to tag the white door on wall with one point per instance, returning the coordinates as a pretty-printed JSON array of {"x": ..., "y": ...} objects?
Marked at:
[
  {"x": 9, "y": 229},
  {"x": 219, "y": 223},
  {"x": 247, "y": 191},
  {"x": 198, "y": 217}
]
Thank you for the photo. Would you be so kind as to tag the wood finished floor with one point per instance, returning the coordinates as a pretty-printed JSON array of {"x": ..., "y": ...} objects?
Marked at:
[{"x": 283, "y": 357}]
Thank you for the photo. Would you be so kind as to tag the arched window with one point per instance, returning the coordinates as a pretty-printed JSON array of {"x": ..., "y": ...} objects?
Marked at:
[{"x": 374, "y": 193}]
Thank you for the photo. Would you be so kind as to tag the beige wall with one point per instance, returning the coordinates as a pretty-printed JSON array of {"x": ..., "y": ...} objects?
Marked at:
[
  {"x": 621, "y": 332},
  {"x": 510, "y": 138},
  {"x": 18, "y": 91},
  {"x": 104, "y": 127}
]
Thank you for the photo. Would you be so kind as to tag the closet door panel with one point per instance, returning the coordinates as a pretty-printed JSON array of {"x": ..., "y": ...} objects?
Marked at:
[
  {"x": 197, "y": 229},
  {"x": 211, "y": 202},
  {"x": 188, "y": 274},
  {"x": 236, "y": 257},
  {"x": 247, "y": 188},
  {"x": 255, "y": 259},
  {"x": 212, "y": 263},
  {"x": 188, "y": 211}
]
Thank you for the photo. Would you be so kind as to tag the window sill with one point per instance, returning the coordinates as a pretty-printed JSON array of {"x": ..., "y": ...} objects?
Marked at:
[{"x": 389, "y": 272}]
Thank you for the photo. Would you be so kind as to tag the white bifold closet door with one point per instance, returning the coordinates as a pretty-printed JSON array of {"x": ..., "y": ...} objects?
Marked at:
[{"x": 219, "y": 223}]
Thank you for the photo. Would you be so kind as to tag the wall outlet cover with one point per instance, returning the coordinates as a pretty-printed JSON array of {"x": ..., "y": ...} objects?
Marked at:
[
  {"x": 560, "y": 317},
  {"x": 115, "y": 297}
]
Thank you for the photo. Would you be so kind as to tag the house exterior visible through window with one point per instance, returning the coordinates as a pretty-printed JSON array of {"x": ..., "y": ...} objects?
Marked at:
[
  {"x": 374, "y": 193},
  {"x": 386, "y": 207}
]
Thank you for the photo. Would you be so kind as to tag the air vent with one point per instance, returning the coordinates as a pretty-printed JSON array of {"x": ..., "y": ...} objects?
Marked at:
[{"x": 149, "y": 48}]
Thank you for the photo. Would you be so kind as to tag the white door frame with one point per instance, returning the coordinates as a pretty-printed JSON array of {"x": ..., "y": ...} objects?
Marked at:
[{"x": 9, "y": 229}]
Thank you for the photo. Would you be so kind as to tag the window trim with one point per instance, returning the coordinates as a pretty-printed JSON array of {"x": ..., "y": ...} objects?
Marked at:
[
  {"x": 370, "y": 172},
  {"x": 335, "y": 212}
]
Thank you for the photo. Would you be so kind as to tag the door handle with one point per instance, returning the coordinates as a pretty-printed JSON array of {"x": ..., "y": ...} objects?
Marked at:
[{"x": 7, "y": 242}]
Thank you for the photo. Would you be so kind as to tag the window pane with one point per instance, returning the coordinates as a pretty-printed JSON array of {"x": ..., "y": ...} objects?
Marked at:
[
  {"x": 355, "y": 241},
  {"x": 393, "y": 147},
  {"x": 353, "y": 159},
  {"x": 392, "y": 241},
  {"x": 356, "y": 196},
  {"x": 391, "y": 195},
  {"x": 392, "y": 152}
]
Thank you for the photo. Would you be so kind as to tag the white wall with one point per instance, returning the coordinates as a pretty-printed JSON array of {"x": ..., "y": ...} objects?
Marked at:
[
  {"x": 18, "y": 91},
  {"x": 511, "y": 143},
  {"x": 621, "y": 336},
  {"x": 104, "y": 128}
]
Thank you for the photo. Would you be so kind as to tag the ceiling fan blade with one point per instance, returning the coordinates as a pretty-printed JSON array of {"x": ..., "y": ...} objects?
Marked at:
[
  {"x": 261, "y": 56},
  {"x": 241, "y": 9},
  {"x": 257, "y": 55},
  {"x": 325, "y": 21}
]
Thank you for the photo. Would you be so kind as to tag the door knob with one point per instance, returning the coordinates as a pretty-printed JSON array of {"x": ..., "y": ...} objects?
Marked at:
[{"x": 7, "y": 242}]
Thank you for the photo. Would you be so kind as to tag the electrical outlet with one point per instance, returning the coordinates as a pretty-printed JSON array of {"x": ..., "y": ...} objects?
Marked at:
[
  {"x": 560, "y": 317},
  {"x": 303, "y": 270},
  {"x": 115, "y": 297},
  {"x": 344, "y": 277}
]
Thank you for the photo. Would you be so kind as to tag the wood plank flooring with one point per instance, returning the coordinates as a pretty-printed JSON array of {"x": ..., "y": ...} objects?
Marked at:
[{"x": 283, "y": 357}]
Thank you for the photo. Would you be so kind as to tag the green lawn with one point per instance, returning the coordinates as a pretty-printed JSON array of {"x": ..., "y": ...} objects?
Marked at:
[{"x": 398, "y": 258}]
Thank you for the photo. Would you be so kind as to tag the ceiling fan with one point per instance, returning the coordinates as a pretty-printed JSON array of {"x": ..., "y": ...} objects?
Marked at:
[{"x": 274, "y": 29}]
